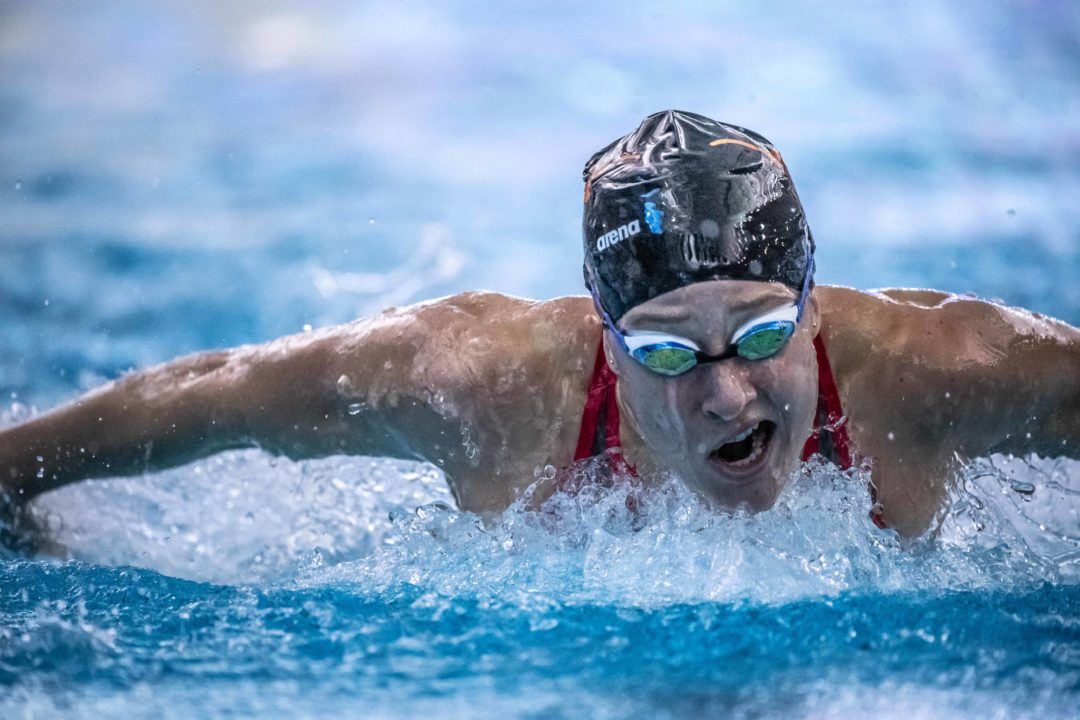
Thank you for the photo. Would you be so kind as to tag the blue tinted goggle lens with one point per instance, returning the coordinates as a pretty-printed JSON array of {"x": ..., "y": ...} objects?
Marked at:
[
  {"x": 667, "y": 358},
  {"x": 764, "y": 341}
]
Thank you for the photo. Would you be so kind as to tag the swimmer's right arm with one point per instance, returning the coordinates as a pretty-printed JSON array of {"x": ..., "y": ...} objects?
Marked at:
[{"x": 349, "y": 390}]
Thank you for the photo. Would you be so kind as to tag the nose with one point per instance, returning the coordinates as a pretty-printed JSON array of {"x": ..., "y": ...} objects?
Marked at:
[{"x": 729, "y": 390}]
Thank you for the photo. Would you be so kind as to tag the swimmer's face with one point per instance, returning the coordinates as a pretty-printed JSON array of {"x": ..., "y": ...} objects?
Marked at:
[{"x": 696, "y": 424}]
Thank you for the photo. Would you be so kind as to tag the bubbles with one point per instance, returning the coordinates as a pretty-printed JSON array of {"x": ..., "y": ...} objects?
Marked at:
[
  {"x": 1018, "y": 515},
  {"x": 1024, "y": 488},
  {"x": 241, "y": 516},
  {"x": 244, "y": 518},
  {"x": 546, "y": 472},
  {"x": 472, "y": 449},
  {"x": 648, "y": 548}
]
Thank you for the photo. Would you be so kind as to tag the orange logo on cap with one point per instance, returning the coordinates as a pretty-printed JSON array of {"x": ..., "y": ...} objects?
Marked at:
[{"x": 768, "y": 152}]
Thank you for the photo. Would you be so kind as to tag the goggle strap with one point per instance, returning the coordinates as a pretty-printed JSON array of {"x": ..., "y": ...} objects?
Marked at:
[{"x": 804, "y": 293}]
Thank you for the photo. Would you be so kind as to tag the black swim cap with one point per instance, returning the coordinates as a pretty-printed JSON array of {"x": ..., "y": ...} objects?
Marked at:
[{"x": 684, "y": 199}]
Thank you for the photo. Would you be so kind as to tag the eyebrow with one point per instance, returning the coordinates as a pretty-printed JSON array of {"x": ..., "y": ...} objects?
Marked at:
[
  {"x": 674, "y": 316},
  {"x": 680, "y": 316}
]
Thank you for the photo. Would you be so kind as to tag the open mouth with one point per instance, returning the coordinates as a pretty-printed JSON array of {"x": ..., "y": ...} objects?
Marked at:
[{"x": 746, "y": 451}]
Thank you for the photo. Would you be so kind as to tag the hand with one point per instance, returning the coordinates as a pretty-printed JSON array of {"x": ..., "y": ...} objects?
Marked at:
[{"x": 21, "y": 529}]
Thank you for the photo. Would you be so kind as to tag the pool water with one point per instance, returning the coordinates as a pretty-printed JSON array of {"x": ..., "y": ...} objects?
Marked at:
[
  {"x": 185, "y": 176},
  {"x": 356, "y": 599}
]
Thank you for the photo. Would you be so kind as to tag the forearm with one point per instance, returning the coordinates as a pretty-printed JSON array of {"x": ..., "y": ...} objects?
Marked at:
[{"x": 159, "y": 418}]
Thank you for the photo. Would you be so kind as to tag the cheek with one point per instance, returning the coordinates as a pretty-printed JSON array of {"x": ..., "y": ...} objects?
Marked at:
[
  {"x": 791, "y": 385},
  {"x": 657, "y": 407}
]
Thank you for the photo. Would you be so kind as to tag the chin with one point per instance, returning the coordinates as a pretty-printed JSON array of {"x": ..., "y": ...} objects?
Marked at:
[{"x": 757, "y": 496}]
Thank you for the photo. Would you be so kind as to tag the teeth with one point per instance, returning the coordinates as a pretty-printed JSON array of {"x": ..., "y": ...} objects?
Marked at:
[
  {"x": 743, "y": 436},
  {"x": 755, "y": 452}
]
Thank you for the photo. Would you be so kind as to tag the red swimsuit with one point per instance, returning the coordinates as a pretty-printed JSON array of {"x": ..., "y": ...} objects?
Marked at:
[{"x": 600, "y": 419}]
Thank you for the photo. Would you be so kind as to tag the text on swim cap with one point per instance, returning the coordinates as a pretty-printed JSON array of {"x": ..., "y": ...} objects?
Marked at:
[{"x": 620, "y": 233}]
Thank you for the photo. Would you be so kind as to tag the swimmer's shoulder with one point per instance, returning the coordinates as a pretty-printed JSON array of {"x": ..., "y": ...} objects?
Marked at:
[
  {"x": 929, "y": 323},
  {"x": 938, "y": 357},
  {"x": 875, "y": 334},
  {"x": 845, "y": 304},
  {"x": 541, "y": 326},
  {"x": 516, "y": 372},
  {"x": 494, "y": 340}
]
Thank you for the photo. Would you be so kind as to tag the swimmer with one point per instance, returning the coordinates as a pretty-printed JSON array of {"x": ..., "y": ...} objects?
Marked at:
[{"x": 703, "y": 348}]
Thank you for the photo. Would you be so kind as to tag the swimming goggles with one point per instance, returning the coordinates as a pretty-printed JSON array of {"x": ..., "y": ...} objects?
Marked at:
[{"x": 671, "y": 355}]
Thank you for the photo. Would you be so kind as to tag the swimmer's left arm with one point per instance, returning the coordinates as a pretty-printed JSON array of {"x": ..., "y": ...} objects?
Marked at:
[{"x": 997, "y": 379}]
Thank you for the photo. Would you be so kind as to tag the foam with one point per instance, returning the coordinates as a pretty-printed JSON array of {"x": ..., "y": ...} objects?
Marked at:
[{"x": 247, "y": 518}]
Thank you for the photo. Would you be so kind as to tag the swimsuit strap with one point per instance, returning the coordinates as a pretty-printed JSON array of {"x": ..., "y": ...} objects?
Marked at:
[
  {"x": 830, "y": 434},
  {"x": 600, "y": 420}
]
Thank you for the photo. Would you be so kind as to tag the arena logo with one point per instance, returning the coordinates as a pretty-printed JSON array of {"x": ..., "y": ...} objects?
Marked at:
[{"x": 618, "y": 234}]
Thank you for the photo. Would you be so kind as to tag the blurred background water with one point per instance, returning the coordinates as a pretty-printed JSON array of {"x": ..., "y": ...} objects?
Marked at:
[
  {"x": 181, "y": 176},
  {"x": 178, "y": 176}
]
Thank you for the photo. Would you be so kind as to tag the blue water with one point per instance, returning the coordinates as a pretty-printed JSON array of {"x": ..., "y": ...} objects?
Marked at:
[{"x": 185, "y": 176}]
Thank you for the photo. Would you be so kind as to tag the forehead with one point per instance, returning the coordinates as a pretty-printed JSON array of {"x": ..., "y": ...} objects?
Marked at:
[{"x": 710, "y": 300}]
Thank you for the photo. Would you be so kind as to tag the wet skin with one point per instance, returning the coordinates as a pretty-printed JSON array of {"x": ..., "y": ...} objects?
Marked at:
[{"x": 490, "y": 388}]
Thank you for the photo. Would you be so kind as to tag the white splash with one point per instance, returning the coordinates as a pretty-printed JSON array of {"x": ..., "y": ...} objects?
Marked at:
[
  {"x": 818, "y": 540},
  {"x": 379, "y": 524}
]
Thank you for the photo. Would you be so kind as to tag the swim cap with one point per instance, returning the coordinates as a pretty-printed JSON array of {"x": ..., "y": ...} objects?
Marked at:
[{"x": 684, "y": 199}]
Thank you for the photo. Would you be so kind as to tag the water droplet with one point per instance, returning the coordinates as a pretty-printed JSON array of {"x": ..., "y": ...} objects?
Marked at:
[
  {"x": 371, "y": 221},
  {"x": 891, "y": 436},
  {"x": 355, "y": 408},
  {"x": 1010, "y": 213},
  {"x": 1024, "y": 488}
]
